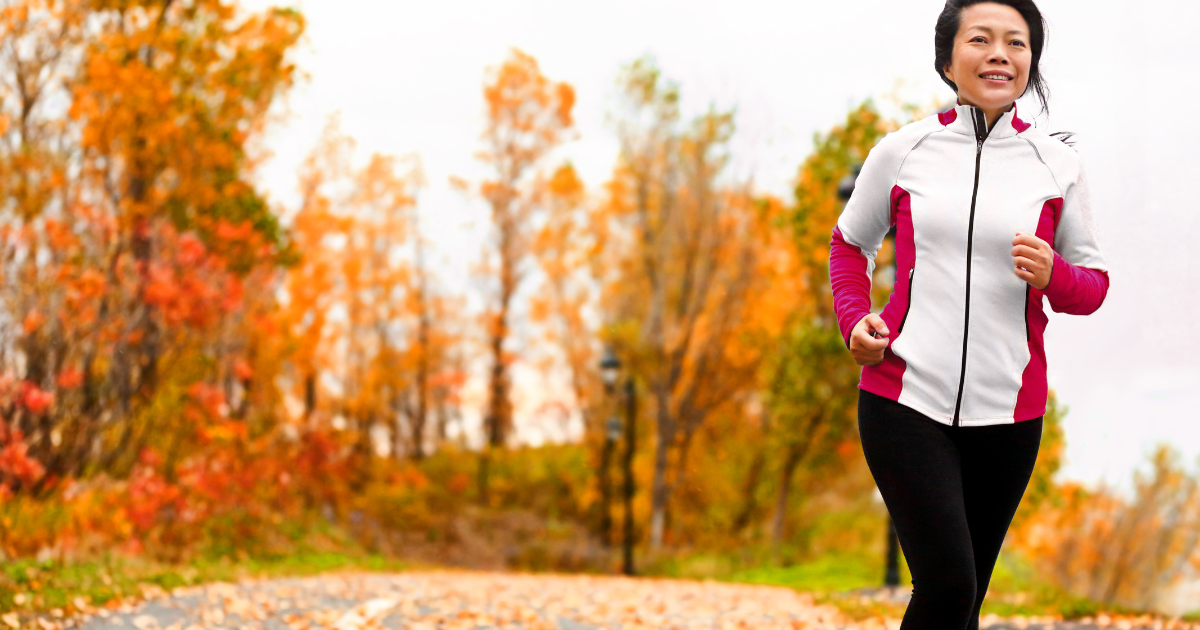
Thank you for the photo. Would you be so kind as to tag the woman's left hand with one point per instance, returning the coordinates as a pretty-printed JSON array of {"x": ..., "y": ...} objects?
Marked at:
[{"x": 1033, "y": 260}]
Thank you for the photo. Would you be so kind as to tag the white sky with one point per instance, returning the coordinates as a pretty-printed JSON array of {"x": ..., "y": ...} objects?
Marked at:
[{"x": 406, "y": 77}]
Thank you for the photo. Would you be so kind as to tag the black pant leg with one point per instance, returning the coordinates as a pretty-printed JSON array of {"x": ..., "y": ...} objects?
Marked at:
[
  {"x": 917, "y": 467},
  {"x": 997, "y": 464}
]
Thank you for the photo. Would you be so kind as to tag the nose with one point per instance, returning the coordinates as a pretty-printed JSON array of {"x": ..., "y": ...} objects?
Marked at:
[{"x": 999, "y": 55}]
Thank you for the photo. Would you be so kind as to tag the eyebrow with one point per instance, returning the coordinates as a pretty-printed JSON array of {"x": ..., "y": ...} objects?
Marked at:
[{"x": 989, "y": 30}]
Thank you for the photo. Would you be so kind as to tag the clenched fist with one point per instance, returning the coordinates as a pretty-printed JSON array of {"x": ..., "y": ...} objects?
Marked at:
[
  {"x": 865, "y": 347},
  {"x": 1033, "y": 260}
]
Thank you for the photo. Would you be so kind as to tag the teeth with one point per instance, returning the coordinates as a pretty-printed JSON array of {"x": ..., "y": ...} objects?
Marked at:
[{"x": 999, "y": 77}]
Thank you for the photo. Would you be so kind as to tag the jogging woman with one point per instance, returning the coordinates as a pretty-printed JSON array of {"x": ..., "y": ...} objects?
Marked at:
[{"x": 992, "y": 222}]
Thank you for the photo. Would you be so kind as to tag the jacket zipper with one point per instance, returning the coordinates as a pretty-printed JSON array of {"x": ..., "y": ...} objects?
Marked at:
[
  {"x": 911, "y": 273},
  {"x": 981, "y": 133}
]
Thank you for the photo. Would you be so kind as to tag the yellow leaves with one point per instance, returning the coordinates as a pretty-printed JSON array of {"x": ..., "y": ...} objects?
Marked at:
[
  {"x": 527, "y": 114},
  {"x": 357, "y": 296},
  {"x": 165, "y": 105},
  {"x": 566, "y": 100},
  {"x": 565, "y": 183}
]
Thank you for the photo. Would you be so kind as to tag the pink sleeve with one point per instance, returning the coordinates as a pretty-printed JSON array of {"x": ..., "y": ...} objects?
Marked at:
[
  {"x": 851, "y": 285},
  {"x": 1075, "y": 290}
]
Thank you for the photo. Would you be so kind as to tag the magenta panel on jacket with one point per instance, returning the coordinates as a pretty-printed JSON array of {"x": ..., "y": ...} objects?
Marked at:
[
  {"x": 887, "y": 378},
  {"x": 1031, "y": 400}
]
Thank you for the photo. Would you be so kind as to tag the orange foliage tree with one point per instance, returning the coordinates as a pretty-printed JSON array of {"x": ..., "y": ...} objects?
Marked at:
[
  {"x": 1117, "y": 549},
  {"x": 685, "y": 294},
  {"x": 528, "y": 115},
  {"x": 811, "y": 391},
  {"x": 125, "y": 269},
  {"x": 366, "y": 318},
  {"x": 566, "y": 247}
]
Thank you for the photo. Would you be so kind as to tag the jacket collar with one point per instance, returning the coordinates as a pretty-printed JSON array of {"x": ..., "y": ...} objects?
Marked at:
[{"x": 971, "y": 121}]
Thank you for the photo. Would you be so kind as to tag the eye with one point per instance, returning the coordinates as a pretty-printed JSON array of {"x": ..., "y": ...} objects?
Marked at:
[
  {"x": 978, "y": 38},
  {"x": 1017, "y": 42}
]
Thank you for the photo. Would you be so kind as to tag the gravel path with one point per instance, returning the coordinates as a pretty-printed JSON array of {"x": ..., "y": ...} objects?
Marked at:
[{"x": 453, "y": 600}]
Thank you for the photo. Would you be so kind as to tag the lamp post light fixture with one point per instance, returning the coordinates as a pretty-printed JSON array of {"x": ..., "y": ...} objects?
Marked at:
[
  {"x": 610, "y": 369},
  {"x": 846, "y": 186}
]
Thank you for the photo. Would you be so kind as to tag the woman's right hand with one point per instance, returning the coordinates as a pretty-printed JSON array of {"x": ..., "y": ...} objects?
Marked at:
[{"x": 864, "y": 347}]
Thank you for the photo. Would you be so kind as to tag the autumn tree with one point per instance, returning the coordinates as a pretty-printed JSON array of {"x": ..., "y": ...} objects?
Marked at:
[
  {"x": 39, "y": 47},
  {"x": 528, "y": 116},
  {"x": 374, "y": 337},
  {"x": 131, "y": 262},
  {"x": 311, "y": 287},
  {"x": 1119, "y": 548},
  {"x": 566, "y": 305},
  {"x": 685, "y": 296},
  {"x": 811, "y": 383},
  {"x": 1043, "y": 491}
]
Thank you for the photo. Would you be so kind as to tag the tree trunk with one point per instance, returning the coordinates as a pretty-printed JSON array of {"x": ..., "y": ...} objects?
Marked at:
[
  {"x": 602, "y": 479},
  {"x": 485, "y": 455},
  {"x": 795, "y": 454},
  {"x": 749, "y": 493},
  {"x": 660, "y": 492},
  {"x": 310, "y": 394},
  {"x": 423, "y": 324}
]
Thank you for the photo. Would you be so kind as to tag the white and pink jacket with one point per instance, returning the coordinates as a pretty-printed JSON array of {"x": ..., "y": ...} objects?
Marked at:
[{"x": 966, "y": 333}]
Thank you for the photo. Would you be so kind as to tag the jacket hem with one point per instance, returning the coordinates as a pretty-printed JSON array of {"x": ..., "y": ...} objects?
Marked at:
[
  {"x": 928, "y": 413},
  {"x": 945, "y": 418}
]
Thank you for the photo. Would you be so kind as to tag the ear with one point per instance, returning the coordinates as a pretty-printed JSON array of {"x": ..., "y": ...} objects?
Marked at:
[{"x": 949, "y": 73}]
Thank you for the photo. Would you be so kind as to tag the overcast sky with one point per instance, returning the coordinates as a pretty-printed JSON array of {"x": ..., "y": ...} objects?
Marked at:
[{"x": 406, "y": 77}]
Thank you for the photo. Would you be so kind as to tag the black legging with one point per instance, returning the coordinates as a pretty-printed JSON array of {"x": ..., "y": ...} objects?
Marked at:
[{"x": 952, "y": 493}]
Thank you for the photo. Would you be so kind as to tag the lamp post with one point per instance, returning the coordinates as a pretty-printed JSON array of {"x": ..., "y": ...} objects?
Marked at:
[
  {"x": 891, "y": 576},
  {"x": 630, "y": 434},
  {"x": 610, "y": 369}
]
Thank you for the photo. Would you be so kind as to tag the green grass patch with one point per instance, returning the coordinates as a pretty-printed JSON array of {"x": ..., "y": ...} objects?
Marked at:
[
  {"x": 823, "y": 575},
  {"x": 836, "y": 578},
  {"x": 30, "y": 586}
]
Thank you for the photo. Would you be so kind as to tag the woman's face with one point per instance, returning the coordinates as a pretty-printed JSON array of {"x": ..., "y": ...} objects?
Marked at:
[{"x": 990, "y": 62}]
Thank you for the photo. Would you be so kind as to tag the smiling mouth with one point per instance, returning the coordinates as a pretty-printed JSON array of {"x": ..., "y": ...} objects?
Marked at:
[{"x": 996, "y": 77}]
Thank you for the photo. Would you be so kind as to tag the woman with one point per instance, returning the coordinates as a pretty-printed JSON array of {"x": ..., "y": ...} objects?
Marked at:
[{"x": 992, "y": 220}]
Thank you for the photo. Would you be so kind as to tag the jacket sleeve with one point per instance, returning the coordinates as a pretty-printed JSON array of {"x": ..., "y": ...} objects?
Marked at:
[
  {"x": 859, "y": 233},
  {"x": 1079, "y": 279}
]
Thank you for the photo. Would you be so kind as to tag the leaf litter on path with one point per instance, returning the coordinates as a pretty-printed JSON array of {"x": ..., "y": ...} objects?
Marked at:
[{"x": 463, "y": 600}]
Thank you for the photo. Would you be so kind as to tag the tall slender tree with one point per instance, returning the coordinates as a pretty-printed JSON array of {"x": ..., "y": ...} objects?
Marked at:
[
  {"x": 812, "y": 383},
  {"x": 528, "y": 116},
  {"x": 684, "y": 297}
]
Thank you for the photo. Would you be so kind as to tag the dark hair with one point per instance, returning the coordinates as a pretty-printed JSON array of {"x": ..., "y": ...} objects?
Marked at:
[{"x": 951, "y": 18}]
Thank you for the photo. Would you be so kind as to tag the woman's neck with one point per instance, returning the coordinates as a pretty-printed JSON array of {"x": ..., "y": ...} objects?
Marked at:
[{"x": 992, "y": 115}]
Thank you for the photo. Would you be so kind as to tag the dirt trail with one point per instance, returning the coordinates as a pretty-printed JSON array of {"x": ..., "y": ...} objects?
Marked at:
[{"x": 459, "y": 600}]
